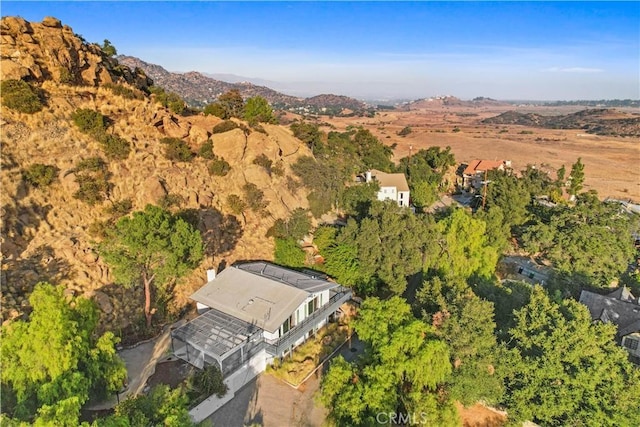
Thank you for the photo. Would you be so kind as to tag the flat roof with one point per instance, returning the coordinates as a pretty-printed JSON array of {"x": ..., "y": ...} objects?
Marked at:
[
  {"x": 216, "y": 333},
  {"x": 259, "y": 293}
]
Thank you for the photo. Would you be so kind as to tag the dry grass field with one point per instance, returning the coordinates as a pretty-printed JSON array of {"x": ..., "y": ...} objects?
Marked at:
[{"x": 612, "y": 164}]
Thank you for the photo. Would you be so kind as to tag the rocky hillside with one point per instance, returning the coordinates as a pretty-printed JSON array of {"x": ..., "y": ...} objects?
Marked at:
[
  {"x": 48, "y": 234},
  {"x": 596, "y": 121},
  {"x": 199, "y": 90}
]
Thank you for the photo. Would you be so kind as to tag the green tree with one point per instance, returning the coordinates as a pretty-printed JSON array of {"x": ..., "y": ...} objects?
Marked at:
[
  {"x": 568, "y": 370},
  {"x": 510, "y": 194},
  {"x": 465, "y": 322},
  {"x": 309, "y": 133},
  {"x": 576, "y": 177},
  {"x": 232, "y": 103},
  {"x": 108, "y": 49},
  {"x": 153, "y": 247},
  {"x": 288, "y": 253},
  {"x": 592, "y": 239},
  {"x": 295, "y": 228},
  {"x": 257, "y": 110},
  {"x": 18, "y": 95},
  {"x": 423, "y": 193},
  {"x": 403, "y": 370},
  {"x": 55, "y": 361},
  {"x": 215, "y": 109},
  {"x": 160, "y": 407},
  {"x": 460, "y": 248}
]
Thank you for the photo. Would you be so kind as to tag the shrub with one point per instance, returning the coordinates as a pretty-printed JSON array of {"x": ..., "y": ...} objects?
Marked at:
[
  {"x": 40, "y": 175},
  {"x": 115, "y": 147},
  {"x": 169, "y": 200},
  {"x": 219, "y": 167},
  {"x": 205, "y": 382},
  {"x": 293, "y": 185},
  {"x": 206, "y": 150},
  {"x": 264, "y": 161},
  {"x": 254, "y": 197},
  {"x": 92, "y": 164},
  {"x": 66, "y": 76},
  {"x": 18, "y": 95},
  {"x": 92, "y": 189},
  {"x": 120, "y": 208},
  {"x": 215, "y": 109},
  {"x": 236, "y": 204},
  {"x": 456, "y": 129},
  {"x": 89, "y": 121},
  {"x": 170, "y": 100},
  {"x": 123, "y": 91},
  {"x": 225, "y": 126},
  {"x": 177, "y": 150},
  {"x": 526, "y": 132},
  {"x": 278, "y": 169},
  {"x": 405, "y": 131}
]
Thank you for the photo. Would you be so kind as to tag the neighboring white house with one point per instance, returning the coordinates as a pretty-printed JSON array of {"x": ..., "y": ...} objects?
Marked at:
[
  {"x": 253, "y": 313},
  {"x": 621, "y": 308},
  {"x": 393, "y": 186}
]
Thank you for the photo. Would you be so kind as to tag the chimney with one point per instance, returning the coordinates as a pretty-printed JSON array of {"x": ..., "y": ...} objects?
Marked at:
[
  {"x": 367, "y": 176},
  {"x": 211, "y": 274}
]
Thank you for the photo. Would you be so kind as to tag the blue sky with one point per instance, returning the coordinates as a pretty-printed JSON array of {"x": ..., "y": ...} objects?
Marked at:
[{"x": 504, "y": 50}]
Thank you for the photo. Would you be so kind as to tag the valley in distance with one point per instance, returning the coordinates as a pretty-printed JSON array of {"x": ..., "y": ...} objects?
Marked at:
[{"x": 178, "y": 249}]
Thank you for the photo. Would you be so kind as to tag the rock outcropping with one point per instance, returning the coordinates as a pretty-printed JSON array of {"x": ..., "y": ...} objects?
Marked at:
[
  {"x": 51, "y": 51},
  {"x": 50, "y": 235}
]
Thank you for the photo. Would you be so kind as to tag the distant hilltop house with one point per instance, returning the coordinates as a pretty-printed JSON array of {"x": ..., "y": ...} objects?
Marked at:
[
  {"x": 253, "y": 313},
  {"x": 621, "y": 308},
  {"x": 393, "y": 186},
  {"x": 471, "y": 175}
]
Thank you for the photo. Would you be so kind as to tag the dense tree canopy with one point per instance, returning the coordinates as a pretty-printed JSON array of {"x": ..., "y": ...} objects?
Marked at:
[
  {"x": 402, "y": 371},
  {"x": 460, "y": 248},
  {"x": 153, "y": 247},
  {"x": 567, "y": 370},
  {"x": 592, "y": 239},
  {"x": 54, "y": 362}
]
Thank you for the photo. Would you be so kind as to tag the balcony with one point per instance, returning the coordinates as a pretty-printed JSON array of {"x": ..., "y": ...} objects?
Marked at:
[{"x": 279, "y": 346}]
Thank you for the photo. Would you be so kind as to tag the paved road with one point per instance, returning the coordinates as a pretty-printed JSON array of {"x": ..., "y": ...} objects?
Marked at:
[
  {"x": 141, "y": 364},
  {"x": 269, "y": 402}
]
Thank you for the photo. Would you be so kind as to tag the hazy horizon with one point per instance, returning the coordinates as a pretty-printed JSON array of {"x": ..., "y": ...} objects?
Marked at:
[{"x": 379, "y": 50}]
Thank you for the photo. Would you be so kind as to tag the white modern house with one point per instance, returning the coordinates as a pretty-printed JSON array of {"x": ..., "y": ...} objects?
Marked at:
[
  {"x": 393, "y": 186},
  {"x": 253, "y": 313}
]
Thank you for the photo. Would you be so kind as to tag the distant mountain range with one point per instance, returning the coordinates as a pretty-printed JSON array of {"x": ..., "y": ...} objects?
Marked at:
[
  {"x": 451, "y": 101},
  {"x": 198, "y": 90},
  {"x": 596, "y": 121}
]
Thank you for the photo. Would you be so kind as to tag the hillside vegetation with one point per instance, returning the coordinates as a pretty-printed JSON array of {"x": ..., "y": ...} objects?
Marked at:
[{"x": 92, "y": 154}]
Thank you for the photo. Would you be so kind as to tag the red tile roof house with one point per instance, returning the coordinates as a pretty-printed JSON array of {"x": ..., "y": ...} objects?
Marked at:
[
  {"x": 472, "y": 174},
  {"x": 621, "y": 308}
]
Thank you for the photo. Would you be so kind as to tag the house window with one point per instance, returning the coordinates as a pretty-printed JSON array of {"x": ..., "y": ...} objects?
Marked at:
[
  {"x": 631, "y": 344},
  {"x": 286, "y": 326},
  {"x": 401, "y": 194},
  {"x": 313, "y": 305}
]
